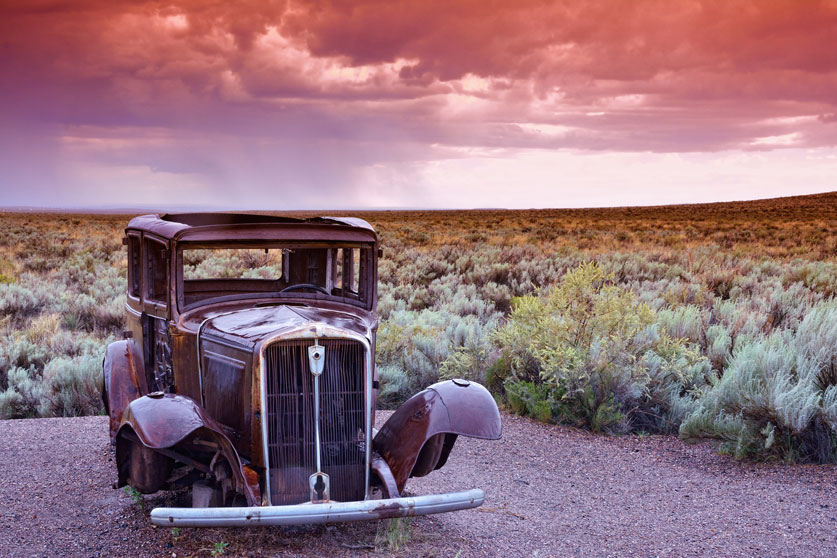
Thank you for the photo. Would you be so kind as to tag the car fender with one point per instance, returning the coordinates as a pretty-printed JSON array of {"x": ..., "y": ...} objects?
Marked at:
[
  {"x": 418, "y": 437},
  {"x": 123, "y": 380},
  {"x": 162, "y": 421}
]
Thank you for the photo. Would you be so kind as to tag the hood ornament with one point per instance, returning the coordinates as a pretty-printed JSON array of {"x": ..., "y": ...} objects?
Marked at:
[{"x": 316, "y": 358}]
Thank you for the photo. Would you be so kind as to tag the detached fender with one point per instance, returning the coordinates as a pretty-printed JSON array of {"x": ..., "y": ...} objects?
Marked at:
[
  {"x": 163, "y": 421},
  {"x": 123, "y": 380},
  {"x": 418, "y": 437}
]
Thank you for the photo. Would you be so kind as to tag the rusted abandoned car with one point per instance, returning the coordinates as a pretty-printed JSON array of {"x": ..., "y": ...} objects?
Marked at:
[{"x": 247, "y": 373}]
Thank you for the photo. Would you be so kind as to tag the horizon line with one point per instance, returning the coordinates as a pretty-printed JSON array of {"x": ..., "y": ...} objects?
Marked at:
[{"x": 212, "y": 208}]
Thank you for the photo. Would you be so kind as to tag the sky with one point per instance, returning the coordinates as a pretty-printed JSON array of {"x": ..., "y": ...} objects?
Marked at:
[{"x": 420, "y": 103}]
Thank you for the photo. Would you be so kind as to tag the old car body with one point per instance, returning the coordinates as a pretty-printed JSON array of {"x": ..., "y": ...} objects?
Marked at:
[{"x": 247, "y": 373}]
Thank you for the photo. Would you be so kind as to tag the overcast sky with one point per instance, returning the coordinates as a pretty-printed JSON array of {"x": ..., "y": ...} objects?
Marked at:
[{"x": 286, "y": 105}]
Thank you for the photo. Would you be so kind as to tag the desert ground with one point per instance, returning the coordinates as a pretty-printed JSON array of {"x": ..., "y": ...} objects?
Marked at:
[{"x": 550, "y": 491}]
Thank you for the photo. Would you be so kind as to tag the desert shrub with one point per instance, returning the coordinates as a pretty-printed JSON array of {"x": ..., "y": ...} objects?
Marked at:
[
  {"x": 42, "y": 329},
  {"x": 820, "y": 277},
  {"x": 412, "y": 348},
  {"x": 7, "y": 270},
  {"x": 598, "y": 356},
  {"x": 718, "y": 346},
  {"x": 22, "y": 396},
  {"x": 72, "y": 387},
  {"x": 16, "y": 351},
  {"x": 499, "y": 295},
  {"x": 530, "y": 398},
  {"x": 676, "y": 377},
  {"x": 685, "y": 322},
  {"x": 776, "y": 397},
  {"x": 18, "y": 301},
  {"x": 395, "y": 386},
  {"x": 36, "y": 381},
  {"x": 86, "y": 313},
  {"x": 469, "y": 361}
]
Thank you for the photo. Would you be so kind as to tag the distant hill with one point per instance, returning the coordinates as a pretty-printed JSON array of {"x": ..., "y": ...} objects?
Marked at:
[{"x": 825, "y": 205}]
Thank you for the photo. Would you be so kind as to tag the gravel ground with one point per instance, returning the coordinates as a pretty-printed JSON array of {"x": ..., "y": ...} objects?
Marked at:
[{"x": 550, "y": 491}]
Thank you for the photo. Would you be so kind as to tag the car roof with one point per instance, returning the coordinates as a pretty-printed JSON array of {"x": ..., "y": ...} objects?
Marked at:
[{"x": 209, "y": 227}]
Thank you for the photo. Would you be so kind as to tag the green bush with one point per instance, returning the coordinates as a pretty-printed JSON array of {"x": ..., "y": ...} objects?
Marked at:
[{"x": 598, "y": 358}]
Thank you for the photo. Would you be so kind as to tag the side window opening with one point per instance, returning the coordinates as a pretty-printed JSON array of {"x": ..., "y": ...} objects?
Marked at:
[
  {"x": 351, "y": 270},
  {"x": 157, "y": 270},
  {"x": 133, "y": 266}
]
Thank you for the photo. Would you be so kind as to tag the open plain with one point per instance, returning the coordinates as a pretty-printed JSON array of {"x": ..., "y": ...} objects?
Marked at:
[{"x": 722, "y": 285}]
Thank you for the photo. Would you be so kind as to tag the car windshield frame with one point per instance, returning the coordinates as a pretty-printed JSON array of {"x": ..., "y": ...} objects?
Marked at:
[{"x": 364, "y": 261}]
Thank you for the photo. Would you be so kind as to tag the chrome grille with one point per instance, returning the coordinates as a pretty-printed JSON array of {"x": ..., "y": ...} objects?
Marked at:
[{"x": 290, "y": 419}]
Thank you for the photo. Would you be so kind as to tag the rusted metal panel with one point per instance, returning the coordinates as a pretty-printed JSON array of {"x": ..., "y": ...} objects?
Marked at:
[
  {"x": 153, "y": 224},
  {"x": 463, "y": 408},
  {"x": 184, "y": 355},
  {"x": 123, "y": 380},
  {"x": 226, "y": 379},
  {"x": 163, "y": 421},
  {"x": 252, "y": 325},
  {"x": 386, "y": 481},
  {"x": 260, "y": 233},
  {"x": 227, "y": 226}
]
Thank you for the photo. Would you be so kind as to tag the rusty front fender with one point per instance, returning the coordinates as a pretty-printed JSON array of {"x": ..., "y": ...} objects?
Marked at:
[
  {"x": 163, "y": 421},
  {"x": 418, "y": 437},
  {"x": 123, "y": 380}
]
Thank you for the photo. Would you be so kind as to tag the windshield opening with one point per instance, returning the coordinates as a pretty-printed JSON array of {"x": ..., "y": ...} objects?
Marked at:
[{"x": 217, "y": 273}]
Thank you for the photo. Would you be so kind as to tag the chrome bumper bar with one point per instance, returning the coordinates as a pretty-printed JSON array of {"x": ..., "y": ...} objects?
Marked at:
[{"x": 330, "y": 512}]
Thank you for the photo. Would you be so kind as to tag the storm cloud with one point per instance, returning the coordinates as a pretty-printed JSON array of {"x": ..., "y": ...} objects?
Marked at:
[{"x": 363, "y": 103}]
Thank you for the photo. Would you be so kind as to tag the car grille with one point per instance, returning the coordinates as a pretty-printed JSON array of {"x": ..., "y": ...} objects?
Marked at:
[{"x": 290, "y": 419}]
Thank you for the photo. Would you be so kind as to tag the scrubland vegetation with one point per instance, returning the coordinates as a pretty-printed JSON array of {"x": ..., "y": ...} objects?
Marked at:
[{"x": 715, "y": 321}]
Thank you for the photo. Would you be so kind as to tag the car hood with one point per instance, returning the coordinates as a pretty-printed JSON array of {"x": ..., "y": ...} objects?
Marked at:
[{"x": 249, "y": 326}]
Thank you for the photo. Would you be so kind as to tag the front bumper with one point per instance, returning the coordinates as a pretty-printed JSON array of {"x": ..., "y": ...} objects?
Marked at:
[{"x": 331, "y": 512}]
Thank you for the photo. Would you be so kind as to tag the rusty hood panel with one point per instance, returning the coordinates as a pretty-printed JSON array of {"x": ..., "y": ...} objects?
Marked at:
[{"x": 249, "y": 326}]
